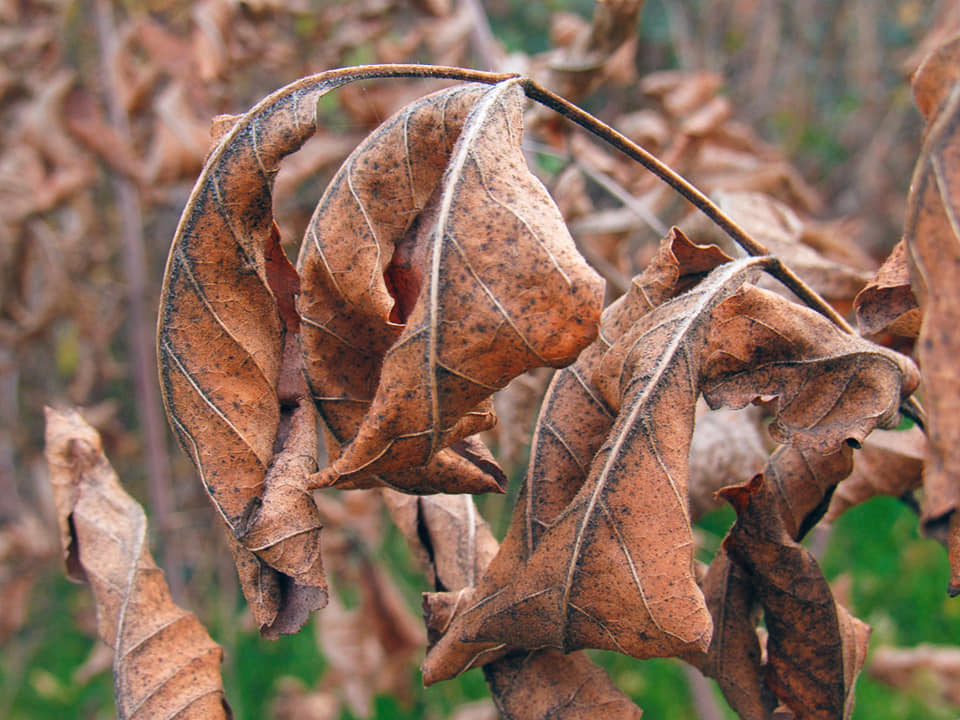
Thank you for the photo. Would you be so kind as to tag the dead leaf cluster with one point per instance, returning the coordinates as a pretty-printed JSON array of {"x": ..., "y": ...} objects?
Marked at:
[{"x": 435, "y": 269}]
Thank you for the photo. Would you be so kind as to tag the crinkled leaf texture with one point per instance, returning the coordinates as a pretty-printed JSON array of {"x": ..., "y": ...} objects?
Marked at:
[
  {"x": 573, "y": 422},
  {"x": 487, "y": 282},
  {"x": 614, "y": 569},
  {"x": 165, "y": 664},
  {"x": 932, "y": 238},
  {"x": 361, "y": 266}
]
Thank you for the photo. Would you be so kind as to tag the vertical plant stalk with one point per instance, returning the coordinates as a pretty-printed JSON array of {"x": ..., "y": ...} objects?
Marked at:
[{"x": 139, "y": 329}]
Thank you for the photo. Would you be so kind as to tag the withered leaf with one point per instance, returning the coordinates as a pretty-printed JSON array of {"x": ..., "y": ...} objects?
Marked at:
[
  {"x": 548, "y": 685},
  {"x": 574, "y": 420},
  {"x": 614, "y": 570},
  {"x": 734, "y": 656},
  {"x": 226, "y": 316},
  {"x": 165, "y": 663},
  {"x": 505, "y": 290},
  {"x": 933, "y": 251},
  {"x": 361, "y": 270},
  {"x": 830, "y": 387},
  {"x": 799, "y": 485},
  {"x": 815, "y": 648},
  {"x": 887, "y": 303}
]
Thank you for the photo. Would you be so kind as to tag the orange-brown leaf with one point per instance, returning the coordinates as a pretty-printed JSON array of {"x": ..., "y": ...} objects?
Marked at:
[
  {"x": 549, "y": 685},
  {"x": 225, "y": 318},
  {"x": 933, "y": 251},
  {"x": 614, "y": 569},
  {"x": 887, "y": 303},
  {"x": 574, "y": 420},
  {"x": 362, "y": 269},
  {"x": 165, "y": 663},
  {"x": 830, "y": 387},
  {"x": 504, "y": 291},
  {"x": 815, "y": 649}
]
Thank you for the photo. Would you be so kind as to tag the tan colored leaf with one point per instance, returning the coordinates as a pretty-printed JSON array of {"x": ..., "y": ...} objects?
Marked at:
[
  {"x": 889, "y": 463},
  {"x": 887, "y": 302},
  {"x": 504, "y": 291},
  {"x": 928, "y": 671},
  {"x": 614, "y": 569},
  {"x": 452, "y": 541},
  {"x": 165, "y": 663},
  {"x": 830, "y": 387},
  {"x": 573, "y": 423},
  {"x": 815, "y": 648},
  {"x": 931, "y": 238},
  {"x": 579, "y": 689},
  {"x": 361, "y": 270},
  {"x": 227, "y": 313},
  {"x": 799, "y": 485},
  {"x": 734, "y": 656}
]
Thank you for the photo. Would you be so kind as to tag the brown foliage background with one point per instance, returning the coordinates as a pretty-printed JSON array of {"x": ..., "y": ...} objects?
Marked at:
[{"x": 105, "y": 119}]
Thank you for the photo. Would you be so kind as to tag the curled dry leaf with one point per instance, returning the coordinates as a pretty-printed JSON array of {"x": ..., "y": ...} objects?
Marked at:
[
  {"x": 362, "y": 266},
  {"x": 614, "y": 569},
  {"x": 933, "y": 251},
  {"x": 165, "y": 663},
  {"x": 503, "y": 290},
  {"x": 830, "y": 387},
  {"x": 225, "y": 315},
  {"x": 548, "y": 685},
  {"x": 799, "y": 485},
  {"x": 815, "y": 649},
  {"x": 734, "y": 656},
  {"x": 574, "y": 420},
  {"x": 887, "y": 303}
]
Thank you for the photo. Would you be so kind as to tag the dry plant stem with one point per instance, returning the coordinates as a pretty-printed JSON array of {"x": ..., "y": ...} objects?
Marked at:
[{"x": 140, "y": 335}]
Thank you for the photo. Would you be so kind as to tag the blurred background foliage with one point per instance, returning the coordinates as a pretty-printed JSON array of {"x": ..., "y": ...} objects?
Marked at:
[{"x": 104, "y": 115}]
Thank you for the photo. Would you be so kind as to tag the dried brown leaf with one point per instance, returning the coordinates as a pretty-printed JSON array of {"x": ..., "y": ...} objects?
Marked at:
[
  {"x": 361, "y": 271},
  {"x": 614, "y": 569},
  {"x": 830, "y": 387},
  {"x": 799, "y": 485},
  {"x": 549, "y": 685},
  {"x": 887, "y": 302},
  {"x": 227, "y": 314},
  {"x": 930, "y": 235},
  {"x": 734, "y": 656},
  {"x": 815, "y": 648},
  {"x": 573, "y": 423},
  {"x": 504, "y": 290},
  {"x": 165, "y": 663}
]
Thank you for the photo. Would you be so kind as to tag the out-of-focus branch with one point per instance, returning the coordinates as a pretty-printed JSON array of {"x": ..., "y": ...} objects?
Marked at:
[{"x": 139, "y": 327}]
